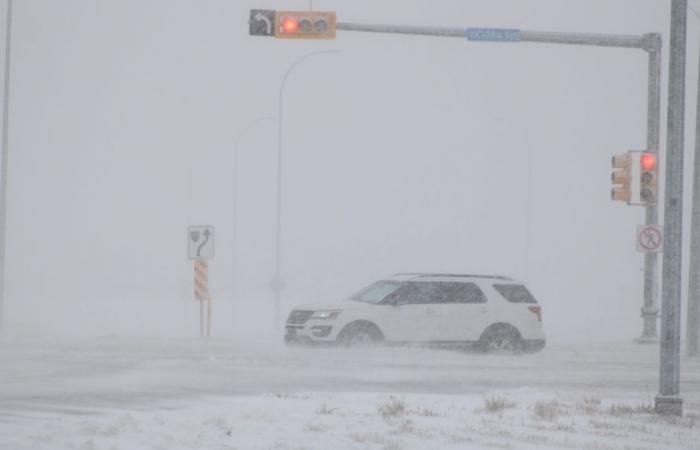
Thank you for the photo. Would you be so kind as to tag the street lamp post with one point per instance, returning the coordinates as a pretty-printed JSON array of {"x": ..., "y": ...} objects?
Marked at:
[
  {"x": 234, "y": 227},
  {"x": 3, "y": 181},
  {"x": 277, "y": 282}
]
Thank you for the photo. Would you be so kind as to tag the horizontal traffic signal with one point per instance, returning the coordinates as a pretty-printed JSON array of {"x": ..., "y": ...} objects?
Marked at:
[{"x": 304, "y": 25}]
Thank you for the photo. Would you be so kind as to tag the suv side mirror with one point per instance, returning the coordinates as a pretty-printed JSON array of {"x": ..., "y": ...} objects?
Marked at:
[
  {"x": 396, "y": 298},
  {"x": 393, "y": 300},
  {"x": 399, "y": 300}
]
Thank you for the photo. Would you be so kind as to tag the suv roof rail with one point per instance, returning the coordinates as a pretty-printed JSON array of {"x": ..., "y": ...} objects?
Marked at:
[{"x": 454, "y": 275}]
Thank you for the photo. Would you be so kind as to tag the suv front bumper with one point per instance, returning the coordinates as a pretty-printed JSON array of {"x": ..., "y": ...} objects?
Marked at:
[{"x": 309, "y": 333}]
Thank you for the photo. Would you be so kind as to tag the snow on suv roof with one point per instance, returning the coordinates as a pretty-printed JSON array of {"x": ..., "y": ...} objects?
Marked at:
[{"x": 412, "y": 276}]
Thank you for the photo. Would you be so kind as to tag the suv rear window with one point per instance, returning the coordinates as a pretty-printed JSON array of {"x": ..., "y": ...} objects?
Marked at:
[
  {"x": 515, "y": 293},
  {"x": 426, "y": 292}
]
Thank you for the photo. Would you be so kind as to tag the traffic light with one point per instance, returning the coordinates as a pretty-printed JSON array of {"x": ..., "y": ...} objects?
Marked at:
[
  {"x": 648, "y": 178},
  {"x": 304, "y": 25},
  {"x": 621, "y": 178}
]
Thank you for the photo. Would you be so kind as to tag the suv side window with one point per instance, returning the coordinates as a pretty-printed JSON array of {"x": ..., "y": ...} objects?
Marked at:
[
  {"x": 515, "y": 293},
  {"x": 463, "y": 293},
  {"x": 432, "y": 292}
]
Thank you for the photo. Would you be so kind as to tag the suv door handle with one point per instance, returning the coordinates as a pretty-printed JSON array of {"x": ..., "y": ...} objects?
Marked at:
[{"x": 429, "y": 311}]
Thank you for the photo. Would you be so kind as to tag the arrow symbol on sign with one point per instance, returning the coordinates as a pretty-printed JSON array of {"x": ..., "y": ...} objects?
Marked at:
[
  {"x": 206, "y": 238},
  {"x": 268, "y": 24}
]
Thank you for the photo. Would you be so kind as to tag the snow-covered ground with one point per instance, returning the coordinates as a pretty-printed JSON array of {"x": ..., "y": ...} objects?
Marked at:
[{"x": 115, "y": 393}]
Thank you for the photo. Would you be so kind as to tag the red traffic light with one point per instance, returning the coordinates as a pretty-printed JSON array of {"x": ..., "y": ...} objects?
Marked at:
[
  {"x": 648, "y": 184},
  {"x": 290, "y": 25},
  {"x": 648, "y": 161}
]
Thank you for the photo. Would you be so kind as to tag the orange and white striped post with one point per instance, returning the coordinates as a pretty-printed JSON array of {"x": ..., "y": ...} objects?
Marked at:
[{"x": 201, "y": 293}]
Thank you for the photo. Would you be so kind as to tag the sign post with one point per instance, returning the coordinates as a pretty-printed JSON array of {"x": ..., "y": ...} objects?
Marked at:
[{"x": 200, "y": 244}]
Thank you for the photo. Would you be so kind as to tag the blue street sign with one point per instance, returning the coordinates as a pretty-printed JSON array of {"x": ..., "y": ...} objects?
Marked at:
[{"x": 493, "y": 35}]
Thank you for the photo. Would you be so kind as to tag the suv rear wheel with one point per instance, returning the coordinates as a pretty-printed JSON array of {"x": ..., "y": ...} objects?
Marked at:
[{"x": 500, "y": 338}]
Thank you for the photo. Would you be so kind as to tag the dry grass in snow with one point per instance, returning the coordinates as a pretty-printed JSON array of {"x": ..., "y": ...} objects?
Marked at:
[{"x": 510, "y": 420}]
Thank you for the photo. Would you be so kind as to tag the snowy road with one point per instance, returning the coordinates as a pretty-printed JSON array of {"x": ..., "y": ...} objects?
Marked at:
[{"x": 43, "y": 383}]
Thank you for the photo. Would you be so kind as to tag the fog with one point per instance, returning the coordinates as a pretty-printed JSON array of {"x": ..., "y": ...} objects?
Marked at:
[{"x": 400, "y": 154}]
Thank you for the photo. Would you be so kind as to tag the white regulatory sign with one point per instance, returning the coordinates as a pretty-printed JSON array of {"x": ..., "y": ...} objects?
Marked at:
[
  {"x": 200, "y": 242},
  {"x": 649, "y": 238}
]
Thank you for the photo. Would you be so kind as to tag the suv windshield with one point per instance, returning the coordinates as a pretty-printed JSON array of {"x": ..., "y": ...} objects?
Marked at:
[{"x": 376, "y": 292}]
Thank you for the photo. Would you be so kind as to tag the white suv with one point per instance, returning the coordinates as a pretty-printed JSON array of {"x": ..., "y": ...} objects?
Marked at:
[{"x": 489, "y": 313}]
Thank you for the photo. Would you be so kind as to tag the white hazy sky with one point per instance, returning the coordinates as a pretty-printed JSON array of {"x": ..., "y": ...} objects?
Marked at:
[{"x": 400, "y": 154}]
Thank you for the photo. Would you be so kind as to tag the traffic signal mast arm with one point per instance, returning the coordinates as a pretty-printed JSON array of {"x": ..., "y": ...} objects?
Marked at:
[
  {"x": 323, "y": 25},
  {"x": 263, "y": 23},
  {"x": 644, "y": 42}
]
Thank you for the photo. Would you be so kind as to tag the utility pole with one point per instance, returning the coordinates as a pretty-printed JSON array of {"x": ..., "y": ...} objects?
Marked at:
[
  {"x": 3, "y": 161},
  {"x": 692, "y": 336},
  {"x": 668, "y": 401}
]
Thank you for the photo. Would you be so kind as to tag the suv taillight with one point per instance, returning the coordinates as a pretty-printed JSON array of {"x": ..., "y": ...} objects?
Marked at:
[{"x": 536, "y": 310}]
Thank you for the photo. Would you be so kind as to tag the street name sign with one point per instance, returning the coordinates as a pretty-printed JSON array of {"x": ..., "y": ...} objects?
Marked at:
[{"x": 493, "y": 34}]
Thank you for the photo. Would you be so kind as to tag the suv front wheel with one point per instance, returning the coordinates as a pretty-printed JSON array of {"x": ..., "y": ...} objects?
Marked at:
[{"x": 360, "y": 335}]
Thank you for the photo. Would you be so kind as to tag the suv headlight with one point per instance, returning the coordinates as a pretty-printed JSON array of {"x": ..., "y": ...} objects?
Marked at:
[{"x": 325, "y": 315}]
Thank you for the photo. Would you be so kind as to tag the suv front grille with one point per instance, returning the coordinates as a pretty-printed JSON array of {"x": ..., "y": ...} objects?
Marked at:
[{"x": 299, "y": 317}]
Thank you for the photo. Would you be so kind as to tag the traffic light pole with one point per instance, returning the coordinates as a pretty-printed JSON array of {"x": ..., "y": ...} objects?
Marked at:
[
  {"x": 650, "y": 310},
  {"x": 692, "y": 337},
  {"x": 651, "y": 43}
]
